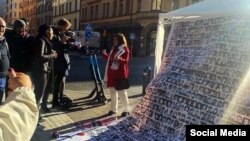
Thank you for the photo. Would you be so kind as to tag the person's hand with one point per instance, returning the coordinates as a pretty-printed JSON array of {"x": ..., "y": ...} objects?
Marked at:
[
  {"x": 64, "y": 39},
  {"x": 54, "y": 53},
  {"x": 104, "y": 52},
  {"x": 18, "y": 79},
  {"x": 117, "y": 57}
]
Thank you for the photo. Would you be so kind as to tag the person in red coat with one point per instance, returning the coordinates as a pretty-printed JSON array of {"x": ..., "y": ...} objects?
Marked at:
[{"x": 117, "y": 68}]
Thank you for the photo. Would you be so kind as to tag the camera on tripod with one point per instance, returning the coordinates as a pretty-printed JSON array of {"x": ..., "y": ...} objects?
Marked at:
[
  {"x": 89, "y": 45},
  {"x": 71, "y": 40}
]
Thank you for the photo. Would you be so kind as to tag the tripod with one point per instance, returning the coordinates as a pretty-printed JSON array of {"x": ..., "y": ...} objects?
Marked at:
[{"x": 95, "y": 73}]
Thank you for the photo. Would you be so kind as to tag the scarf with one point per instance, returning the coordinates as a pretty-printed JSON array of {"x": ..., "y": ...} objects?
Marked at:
[{"x": 119, "y": 53}]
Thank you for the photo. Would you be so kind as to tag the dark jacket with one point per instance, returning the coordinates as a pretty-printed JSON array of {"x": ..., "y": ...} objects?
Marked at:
[
  {"x": 62, "y": 62},
  {"x": 4, "y": 58},
  {"x": 21, "y": 51},
  {"x": 43, "y": 55}
]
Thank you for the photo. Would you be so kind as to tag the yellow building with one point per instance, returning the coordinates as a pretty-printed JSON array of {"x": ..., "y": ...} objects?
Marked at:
[
  {"x": 137, "y": 19},
  {"x": 68, "y": 9}
]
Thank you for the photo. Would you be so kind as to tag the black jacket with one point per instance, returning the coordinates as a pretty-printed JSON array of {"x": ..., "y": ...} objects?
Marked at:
[
  {"x": 21, "y": 51},
  {"x": 43, "y": 55},
  {"x": 62, "y": 62}
]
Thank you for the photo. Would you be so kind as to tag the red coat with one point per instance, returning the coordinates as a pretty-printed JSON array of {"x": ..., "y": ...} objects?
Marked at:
[{"x": 122, "y": 71}]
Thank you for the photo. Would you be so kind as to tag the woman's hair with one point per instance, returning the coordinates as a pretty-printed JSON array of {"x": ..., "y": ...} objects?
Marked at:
[
  {"x": 121, "y": 39},
  {"x": 64, "y": 22},
  {"x": 43, "y": 29}
]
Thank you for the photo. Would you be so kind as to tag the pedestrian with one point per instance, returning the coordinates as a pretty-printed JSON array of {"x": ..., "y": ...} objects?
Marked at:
[
  {"x": 4, "y": 59},
  {"x": 43, "y": 66},
  {"x": 19, "y": 113},
  {"x": 62, "y": 62},
  {"x": 20, "y": 47},
  {"x": 117, "y": 68}
]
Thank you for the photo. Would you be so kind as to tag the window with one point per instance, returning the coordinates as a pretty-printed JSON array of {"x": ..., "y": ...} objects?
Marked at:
[
  {"x": 76, "y": 5},
  {"x": 114, "y": 8},
  {"x": 62, "y": 8},
  {"x": 15, "y": 5},
  {"x": 67, "y": 7},
  {"x": 175, "y": 4},
  {"x": 55, "y": 11},
  {"x": 82, "y": 14},
  {"x": 156, "y": 5},
  {"x": 85, "y": 13},
  {"x": 121, "y": 5},
  {"x": 96, "y": 11},
  {"x": 139, "y": 6},
  {"x": 107, "y": 14},
  {"x": 92, "y": 12},
  {"x": 70, "y": 7},
  {"x": 15, "y": 14},
  {"x": 75, "y": 22},
  {"x": 20, "y": 14},
  {"x": 128, "y": 5},
  {"x": 104, "y": 10}
]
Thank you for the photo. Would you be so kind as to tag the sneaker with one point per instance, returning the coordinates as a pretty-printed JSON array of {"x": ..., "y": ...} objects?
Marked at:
[
  {"x": 111, "y": 113},
  {"x": 45, "y": 109},
  {"x": 124, "y": 114}
]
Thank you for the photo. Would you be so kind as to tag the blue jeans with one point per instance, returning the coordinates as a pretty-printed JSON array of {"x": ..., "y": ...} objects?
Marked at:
[{"x": 2, "y": 88}]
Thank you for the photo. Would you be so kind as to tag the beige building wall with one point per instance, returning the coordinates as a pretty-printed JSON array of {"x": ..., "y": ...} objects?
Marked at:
[
  {"x": 44, "y": 12},
  {"x": 68, "y": 9},
  {"x": 13, "y": 11},
  {"x": 28, "y": 8}
]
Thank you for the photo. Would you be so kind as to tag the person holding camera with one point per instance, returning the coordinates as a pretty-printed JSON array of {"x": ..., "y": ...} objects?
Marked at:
[
  {"x": 43, "y": 66},
  {"x": 62, "y": 63},
  {"x": 117, "y": 69}
]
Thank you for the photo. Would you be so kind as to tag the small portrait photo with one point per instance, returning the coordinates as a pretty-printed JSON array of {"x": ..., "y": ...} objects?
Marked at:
[{"x": 246, "y": 121}]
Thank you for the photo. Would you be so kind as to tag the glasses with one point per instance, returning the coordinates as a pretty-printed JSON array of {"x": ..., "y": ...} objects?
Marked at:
[{"x": 2, "y": 26}]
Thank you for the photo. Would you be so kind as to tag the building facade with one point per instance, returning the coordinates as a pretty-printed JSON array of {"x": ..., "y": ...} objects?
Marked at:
[
  {"x": 44, "y": 12},
  {"x": 68, "y": 9},
  {"x": 3, "y": 8},
  {"x": 13, "y": 11},
  {"x": 137, "y": 19},
  {"x": 28, "y": 11}
]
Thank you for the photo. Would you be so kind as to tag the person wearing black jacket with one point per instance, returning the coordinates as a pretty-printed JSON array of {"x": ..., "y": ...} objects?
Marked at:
[
  {"x": 43, "y": 66},
  {"x": 20, "y": 47},
  {"x": 4, "y": 59},
  {"x": 61, "y": 63}
]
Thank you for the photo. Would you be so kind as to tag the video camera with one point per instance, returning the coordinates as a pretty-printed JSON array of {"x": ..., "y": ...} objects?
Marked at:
[{"x": 72, "y": 41}]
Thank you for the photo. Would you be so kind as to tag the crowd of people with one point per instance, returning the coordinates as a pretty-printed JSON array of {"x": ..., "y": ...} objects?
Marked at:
[{"x": 41, "y": 64}]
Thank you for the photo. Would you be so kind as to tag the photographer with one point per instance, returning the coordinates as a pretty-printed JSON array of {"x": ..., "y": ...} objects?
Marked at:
[{"x": 61, "y": 63}]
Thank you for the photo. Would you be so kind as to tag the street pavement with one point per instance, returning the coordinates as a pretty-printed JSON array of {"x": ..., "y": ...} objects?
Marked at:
[
  {"x": 82, "y": 110},
  {"x": 85, "y": 109}
]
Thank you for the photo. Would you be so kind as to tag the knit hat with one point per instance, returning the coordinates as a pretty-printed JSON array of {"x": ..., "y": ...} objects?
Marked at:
[{"x": 18, "y": 23}]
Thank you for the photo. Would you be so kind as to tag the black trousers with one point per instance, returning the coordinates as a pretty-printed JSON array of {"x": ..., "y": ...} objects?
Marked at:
[{"x": 58, "y": 77}]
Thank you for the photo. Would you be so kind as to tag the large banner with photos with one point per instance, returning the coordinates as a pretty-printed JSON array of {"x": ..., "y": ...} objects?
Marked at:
[{"x": 204, "y": 80}]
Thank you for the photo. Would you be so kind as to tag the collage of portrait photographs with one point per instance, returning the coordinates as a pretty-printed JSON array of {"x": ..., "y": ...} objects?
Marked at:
[{"x": 200, "y": 83}]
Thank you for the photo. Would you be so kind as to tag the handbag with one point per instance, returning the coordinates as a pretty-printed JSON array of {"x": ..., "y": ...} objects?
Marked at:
[{"x": 122, "y": 84}]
